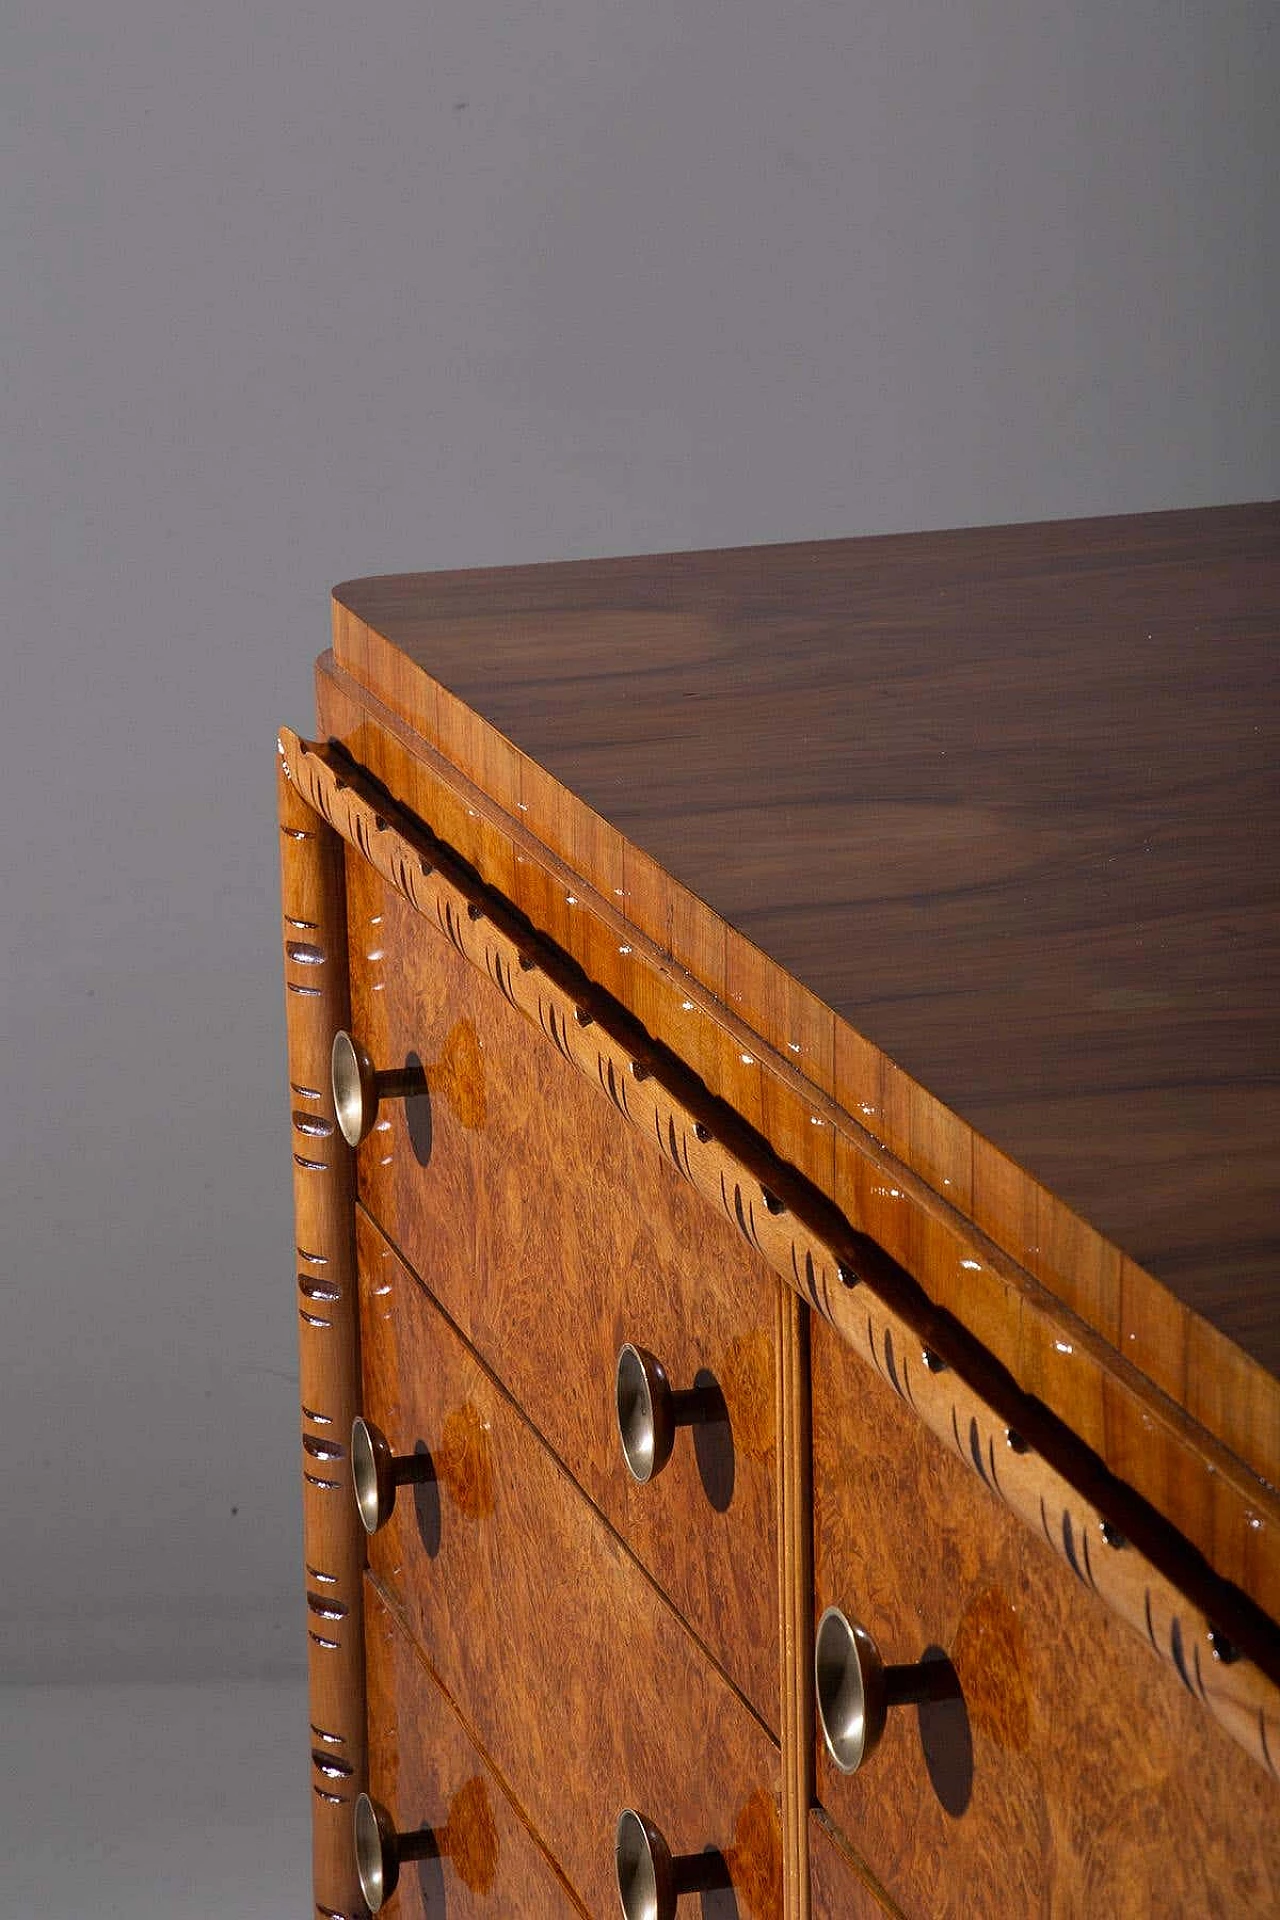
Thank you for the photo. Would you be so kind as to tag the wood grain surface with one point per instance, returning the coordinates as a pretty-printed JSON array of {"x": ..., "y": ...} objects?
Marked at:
[
  {"x": 573, "y": 1674},
  {"x": 315, "y": 973},
  {"x": 975, "y": 828},
  {"x": 552, "y": 1232},
  {"x": 842, "y": 1889},
  {"x": 1076, "y": 1776},
  {"x": 1165, "y": 1594},
  {"x": 426, "y": 1773}
]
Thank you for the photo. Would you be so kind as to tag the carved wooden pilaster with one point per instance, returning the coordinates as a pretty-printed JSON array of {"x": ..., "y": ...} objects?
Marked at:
[{"x": 316, "y": 1002}]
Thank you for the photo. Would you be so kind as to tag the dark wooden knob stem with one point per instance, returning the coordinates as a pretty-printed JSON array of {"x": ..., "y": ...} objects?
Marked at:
[
  {"x": 650, "y": 1411},
  {"x": 381, "y": 1851},
  {"x": 855, "y": 1689},
  {"x": 650, "y": 1879},
  {"x": 358, "y": 1087},
  {"x": 376, "y": 1472}
]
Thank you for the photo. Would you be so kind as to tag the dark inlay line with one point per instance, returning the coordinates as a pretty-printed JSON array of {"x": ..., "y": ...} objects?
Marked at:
[
  {"x": 1069, "y": 1546},
  {"x": 1179, "y": 1654},
  {"x": 310, "y": 1166},
  {"x": 329, "y": 1486},
  {"x": 1195, "y": 1662},
  {"x": 302, "y": 926},
  {"x": 975, "y": 1452},
  {"x": 1151, "y": 1632},
  {"x": 305, "y": 1093},
  {"x": 327, "y": 1609},
  {"x": 313, "y": 1319},
  {"x": 316, "y": 1419},
  {"x": 330, "y": 1739},
  {"x": 891, "y": 1367},
  {"x": 305, "y": 993},
  {"x": 330, "y": 1646},
  {"x": 1044, "y": 1528},
  {"x": 1088, "y": 1564},
  {"x": 333, "y": 1799},
  {"x": 313, "y": 1259},
  {"x": 325, "y": 1579}
]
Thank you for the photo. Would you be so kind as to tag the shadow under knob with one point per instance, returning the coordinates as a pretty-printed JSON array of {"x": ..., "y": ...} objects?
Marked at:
[
  {"x": 650, "y": 1880},
  {"x": 358, "y": 1087},
  {"x": 650, "y": 1411},
  {"x": 380, "y": 1851},
  {"x": 376, "y": 1472},
  {"x": 855, "y": 1689}
]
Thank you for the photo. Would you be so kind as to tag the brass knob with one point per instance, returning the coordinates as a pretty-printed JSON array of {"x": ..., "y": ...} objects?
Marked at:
[
  {"x": 855, "y": 1689},
  {"x": 650, "y": 1880},
  {"x": 376, "y": 1472},
  {"x": 650, "y": 1410},
  {"x": 358, "y": 1086},
  {"x": 380, "y": 1851}
]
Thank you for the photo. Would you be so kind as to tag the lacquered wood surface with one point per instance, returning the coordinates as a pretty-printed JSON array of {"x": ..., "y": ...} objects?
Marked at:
[
  {"x": 552, "y": 1233},
  {"x": 315, "y": 975},
  {"x": 999, "y": 801},
  {"x": 574, "y": 1676},
  {"x": 1154, "y": 1585},
  {"x": 426, "y": 1773},
  {"x": 1077, "y": 1775}
]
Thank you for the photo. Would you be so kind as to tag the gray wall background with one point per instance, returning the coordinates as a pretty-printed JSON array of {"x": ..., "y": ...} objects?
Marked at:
[{"x": 303, "y": 291}]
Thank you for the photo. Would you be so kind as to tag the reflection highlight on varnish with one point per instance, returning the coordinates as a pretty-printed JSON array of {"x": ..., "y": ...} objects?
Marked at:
[
  {"x": 755, "y": 1857},
  {"x": 464, "y": 1462}
]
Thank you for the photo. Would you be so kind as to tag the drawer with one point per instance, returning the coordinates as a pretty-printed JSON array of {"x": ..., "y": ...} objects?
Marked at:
[
  {"x": 573, "y": 1674},
  {"x": 427, "y": 1775},
  {"x": 1074, "y": 1774},
  {"x": 552, "y": 1232}
]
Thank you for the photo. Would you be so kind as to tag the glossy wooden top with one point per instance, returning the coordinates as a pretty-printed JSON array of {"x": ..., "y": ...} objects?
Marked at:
[{"x": 1003, "y": 799}]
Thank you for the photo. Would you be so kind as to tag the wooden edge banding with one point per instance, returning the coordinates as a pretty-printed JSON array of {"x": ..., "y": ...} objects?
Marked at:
[
  {"x": 316, "y": 1004},
  {"x": 1124, "y": 1552},
  {"x": 795, "y": 1585}
]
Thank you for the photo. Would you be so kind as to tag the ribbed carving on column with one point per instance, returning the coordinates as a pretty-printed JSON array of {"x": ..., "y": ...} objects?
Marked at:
[{"x": 316, "y": 1004}]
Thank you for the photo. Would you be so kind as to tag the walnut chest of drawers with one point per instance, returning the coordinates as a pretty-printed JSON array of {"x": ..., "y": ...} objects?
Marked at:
[{"x": 782, "y": 1055}]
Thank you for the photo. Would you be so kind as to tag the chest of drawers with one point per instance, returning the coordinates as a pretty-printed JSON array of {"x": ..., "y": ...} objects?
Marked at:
[{"x": 799, "y": 1306}]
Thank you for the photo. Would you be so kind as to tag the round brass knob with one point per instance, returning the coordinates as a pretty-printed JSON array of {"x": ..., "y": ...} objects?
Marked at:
[
  {"x": 376, "y": 1472},
  {"x": 358, "y": 1086},
  {"x": 650, "y": 1880},
  {"x": 381, "y": 1851},
  {"x": 650, "y": 1410},
  {"x": 855, "y": 1689}
]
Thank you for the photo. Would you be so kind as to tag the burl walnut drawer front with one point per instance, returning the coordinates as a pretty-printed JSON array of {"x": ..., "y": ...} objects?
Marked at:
[
  {"x": 554, "y": 1234},
  {"x": 574, "y": 1675},
  {"x": 481, "y": 1859},
  {"x": 1071, "y": 1774}
]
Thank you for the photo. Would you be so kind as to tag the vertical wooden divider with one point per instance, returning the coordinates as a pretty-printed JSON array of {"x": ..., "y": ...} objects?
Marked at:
[
  {"x": 313, "y": 898},
  {"x": 795, "y": 1576}
]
